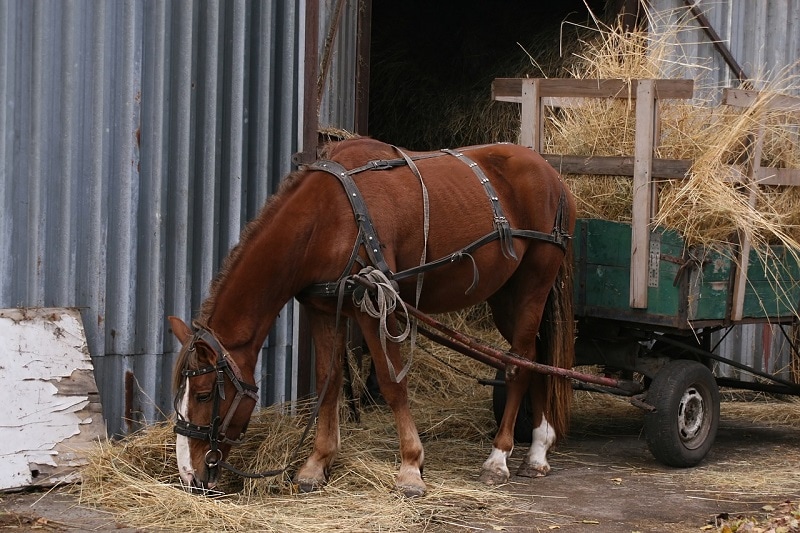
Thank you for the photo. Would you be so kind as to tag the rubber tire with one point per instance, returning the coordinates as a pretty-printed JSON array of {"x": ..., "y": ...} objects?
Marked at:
[
  {"x": 682, "y": 429},
  {"x": 523, "y": 427}
]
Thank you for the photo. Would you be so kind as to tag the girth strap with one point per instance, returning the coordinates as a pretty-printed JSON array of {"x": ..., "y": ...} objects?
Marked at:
[{"x": 500, "y": 221}]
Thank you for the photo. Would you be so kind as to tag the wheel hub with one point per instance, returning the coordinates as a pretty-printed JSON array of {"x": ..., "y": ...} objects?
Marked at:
[{"x": 691, "y": 414}]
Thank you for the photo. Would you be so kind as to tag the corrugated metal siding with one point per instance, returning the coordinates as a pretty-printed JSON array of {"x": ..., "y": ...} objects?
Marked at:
[
  {"x": 136, "y": 138},
  {"x": 764, "y": 38},
  {"x": 337, "y": 108},
  {"x": 763, "y": 347}
]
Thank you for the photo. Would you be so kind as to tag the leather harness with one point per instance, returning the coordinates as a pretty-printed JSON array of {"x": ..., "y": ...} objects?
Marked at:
[
  {"x": 215, "y": 431},
  {"x": 368, "y": 236}
]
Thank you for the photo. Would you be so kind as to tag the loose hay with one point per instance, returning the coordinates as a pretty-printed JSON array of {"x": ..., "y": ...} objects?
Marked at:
[
  {"x": 137, "y": 480},
  {"x": 706, "y": 207},
  {"x": 137, "y": 477}
]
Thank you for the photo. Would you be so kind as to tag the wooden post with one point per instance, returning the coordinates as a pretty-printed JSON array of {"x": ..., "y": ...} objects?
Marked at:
[
  {"x": 642, "y": 195},
  {"x": 531, "y": 120},
  {"x": 740, "y": 281}
]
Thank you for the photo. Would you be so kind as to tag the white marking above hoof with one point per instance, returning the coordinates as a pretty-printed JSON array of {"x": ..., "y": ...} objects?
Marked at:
[
  {"x": 536, "y": 460},
  {"x": 495, "y": 468}
]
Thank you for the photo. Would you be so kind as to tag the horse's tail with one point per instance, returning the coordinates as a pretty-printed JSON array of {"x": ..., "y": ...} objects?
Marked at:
[{"x": 557, "y": 345}]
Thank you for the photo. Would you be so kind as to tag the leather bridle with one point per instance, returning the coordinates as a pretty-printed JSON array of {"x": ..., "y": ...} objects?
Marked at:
[{"x": 215, "y": 432}]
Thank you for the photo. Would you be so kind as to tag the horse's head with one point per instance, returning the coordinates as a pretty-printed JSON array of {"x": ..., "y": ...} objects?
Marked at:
[{"x": 213, "y": 404}]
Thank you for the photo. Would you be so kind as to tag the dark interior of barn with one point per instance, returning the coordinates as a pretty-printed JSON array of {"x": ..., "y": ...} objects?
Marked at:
[{"x": 432, "y": 63}]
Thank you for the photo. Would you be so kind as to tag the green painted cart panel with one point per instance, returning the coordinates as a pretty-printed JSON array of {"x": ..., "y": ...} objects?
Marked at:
[
  {"x": 685, "y": 286},
  {"x": 773, "y": 287}
]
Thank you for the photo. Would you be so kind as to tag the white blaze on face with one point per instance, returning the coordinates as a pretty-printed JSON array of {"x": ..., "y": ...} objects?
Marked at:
[{"x": 182, "y": 442}]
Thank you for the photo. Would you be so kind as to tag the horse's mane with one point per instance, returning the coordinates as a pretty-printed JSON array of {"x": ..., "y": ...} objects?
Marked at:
[{"x": 253, "y": 227}]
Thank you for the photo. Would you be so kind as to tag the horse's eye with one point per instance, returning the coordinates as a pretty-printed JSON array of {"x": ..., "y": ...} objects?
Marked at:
[{"x": 202, "y": 396}]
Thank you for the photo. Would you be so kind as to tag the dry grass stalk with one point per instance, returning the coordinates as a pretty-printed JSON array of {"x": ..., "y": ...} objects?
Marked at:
[{"x": 707, "y": 208}]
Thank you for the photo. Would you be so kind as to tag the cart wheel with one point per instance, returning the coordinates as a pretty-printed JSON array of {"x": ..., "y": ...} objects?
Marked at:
[
  {"x": 523, "y": 427},
  {"x": 682, "y": 429}
]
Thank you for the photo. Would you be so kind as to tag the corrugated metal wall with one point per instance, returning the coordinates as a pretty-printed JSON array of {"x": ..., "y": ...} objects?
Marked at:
[
  {"x": 764, "y": 38},
  {"x": 337, "y": 106},
  {"x": 136, "y": 138}
]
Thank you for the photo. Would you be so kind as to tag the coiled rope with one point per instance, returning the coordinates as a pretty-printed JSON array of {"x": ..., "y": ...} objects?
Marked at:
[{"x": 386, "y": 300}]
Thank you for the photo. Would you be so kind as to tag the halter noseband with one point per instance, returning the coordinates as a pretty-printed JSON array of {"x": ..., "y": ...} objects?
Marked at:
[{"x": 214, "y": 433}]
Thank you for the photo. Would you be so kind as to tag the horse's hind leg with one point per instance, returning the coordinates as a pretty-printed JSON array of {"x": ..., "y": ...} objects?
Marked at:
[
  {"x": 329, "y": 350},
  {"x": 517, "y": 310},
  {"x": 544, "y": 436},
  {"x": 409, "y": 479}
]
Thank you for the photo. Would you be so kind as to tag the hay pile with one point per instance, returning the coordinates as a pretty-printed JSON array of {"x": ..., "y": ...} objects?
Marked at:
[
  {"x": 137, "y": 477},
  {"x": 706, "y": 208}
]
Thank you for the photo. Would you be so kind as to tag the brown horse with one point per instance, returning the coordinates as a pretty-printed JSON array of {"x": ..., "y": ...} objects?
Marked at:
[{"x": 305, "y": 237}]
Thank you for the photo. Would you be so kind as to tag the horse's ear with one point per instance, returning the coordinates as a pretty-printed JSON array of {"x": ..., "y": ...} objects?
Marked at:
[{"x": 180, "y": 329}]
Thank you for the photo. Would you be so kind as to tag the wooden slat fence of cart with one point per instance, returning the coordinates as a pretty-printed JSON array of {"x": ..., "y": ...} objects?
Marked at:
[
  {"x": 645, "y": 169},
  {"x": 757, "y": 175}
]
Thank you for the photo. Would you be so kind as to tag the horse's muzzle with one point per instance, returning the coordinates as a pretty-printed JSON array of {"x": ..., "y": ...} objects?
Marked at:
[{"x": 196, "y": 485}]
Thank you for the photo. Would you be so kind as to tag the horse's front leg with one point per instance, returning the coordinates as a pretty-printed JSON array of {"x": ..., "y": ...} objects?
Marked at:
[
  {"x": 409, "y": 478},
  {"x": 329, "y": 351}
]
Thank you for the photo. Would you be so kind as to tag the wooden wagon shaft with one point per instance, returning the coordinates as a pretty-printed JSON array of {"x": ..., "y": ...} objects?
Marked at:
[
  {"x": 478, "y": 350},
  {"x": 473, "y": 348}
]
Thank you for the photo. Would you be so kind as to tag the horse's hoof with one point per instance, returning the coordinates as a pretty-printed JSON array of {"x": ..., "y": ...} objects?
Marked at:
[
  {"x": 308, "y": 485},
  {"x": 491, "y": 477},
  {"x": 526, "y": 470},
  {"x": 411, "y": 491}
]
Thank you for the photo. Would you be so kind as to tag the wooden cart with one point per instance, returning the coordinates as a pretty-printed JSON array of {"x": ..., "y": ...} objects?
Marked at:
[{"x": 646, "y": 304}]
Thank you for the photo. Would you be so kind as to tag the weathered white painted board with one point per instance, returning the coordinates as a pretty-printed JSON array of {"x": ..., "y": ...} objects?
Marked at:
[{"x": 49, "y": 406}]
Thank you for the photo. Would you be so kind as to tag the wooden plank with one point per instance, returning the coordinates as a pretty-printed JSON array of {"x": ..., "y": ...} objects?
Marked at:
[
  {"x": 777, "y": 176},
  {"x": 507, "y": 89},
  {"x": 744, "y": 98},
  {"x": 740, "y": 281},
  {"x": 510, "y": 89},
  {"x": 48, "y": 384},
  {"x": 530, "y": 133},
  {"x": 616, "y": 166},
  {"x": 640, "y": 216},
  {"x": 602, "y": 264}
]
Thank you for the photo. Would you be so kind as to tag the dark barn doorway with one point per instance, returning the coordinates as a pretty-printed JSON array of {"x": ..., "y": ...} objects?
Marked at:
[{"x": 432, "y": 63}]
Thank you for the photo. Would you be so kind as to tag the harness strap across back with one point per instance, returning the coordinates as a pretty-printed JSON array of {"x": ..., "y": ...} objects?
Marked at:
[
  {"x": 500, "y": 221},
  {"x": 369, "y": 238}
]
